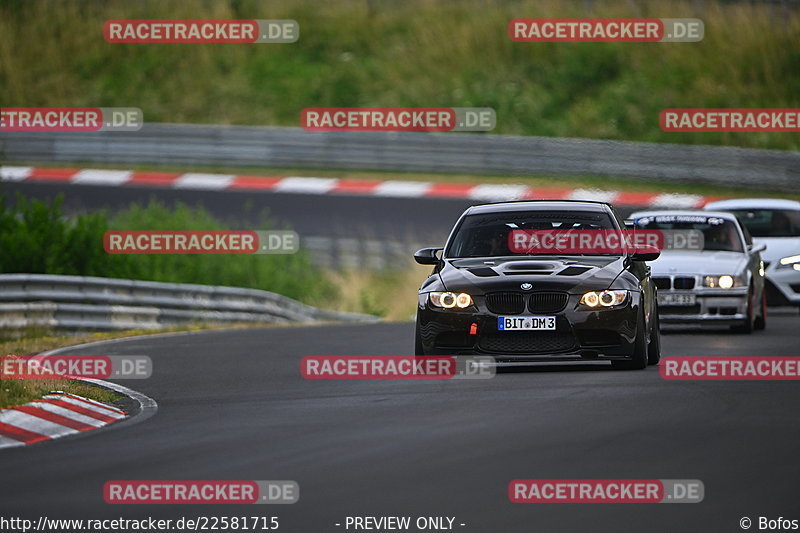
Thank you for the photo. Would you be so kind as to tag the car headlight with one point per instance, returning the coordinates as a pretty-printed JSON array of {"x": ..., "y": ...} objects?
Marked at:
[
  {"x": 450, "y": 300},
  {"x": 724, "y": 281},
  {"x": 793, "y": 261},
  {"x": 602, "y": 299}
]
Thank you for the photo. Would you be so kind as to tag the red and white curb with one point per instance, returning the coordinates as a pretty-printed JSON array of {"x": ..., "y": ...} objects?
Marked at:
[
  {"x": 55, "y": 415},
  {"x": 308, "y": 185},
  {"x": 60, "y": 414}
]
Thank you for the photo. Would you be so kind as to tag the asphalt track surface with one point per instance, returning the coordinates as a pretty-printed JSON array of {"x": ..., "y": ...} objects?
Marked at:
[{"x": 233, "y": 405}]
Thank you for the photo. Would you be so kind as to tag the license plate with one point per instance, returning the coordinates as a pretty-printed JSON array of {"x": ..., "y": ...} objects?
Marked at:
[
  {"x": 526, "y": 323},
  {"x": 677, "y": 299}
]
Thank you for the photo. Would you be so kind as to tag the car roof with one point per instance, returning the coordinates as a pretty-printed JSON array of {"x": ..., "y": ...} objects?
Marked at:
[
  {"x": 539, "y": 205},
  {"x": 753, "y": 203},
  {"x": 680, "y": 212}
]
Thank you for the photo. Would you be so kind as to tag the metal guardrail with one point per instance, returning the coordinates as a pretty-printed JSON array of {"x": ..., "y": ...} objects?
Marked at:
[
  {"x": 90, "y": 303},
  {"x": 240, "y": 146},
  {"x": 361, "y": 253}
]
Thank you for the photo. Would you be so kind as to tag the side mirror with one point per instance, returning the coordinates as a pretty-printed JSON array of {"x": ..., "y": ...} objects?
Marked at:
[
  {"x": 757, "y": 247},
  {"x": 650, "y": 256},
  {"x": 427, "y": 256}
]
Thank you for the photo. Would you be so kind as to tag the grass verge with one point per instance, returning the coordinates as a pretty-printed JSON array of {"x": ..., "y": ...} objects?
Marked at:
[
  {"x": 363, "y": 53},
  {"x": 391, "y": 295}
]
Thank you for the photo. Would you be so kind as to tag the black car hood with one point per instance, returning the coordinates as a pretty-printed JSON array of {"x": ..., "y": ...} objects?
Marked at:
[{"x": 568, "y": 273}]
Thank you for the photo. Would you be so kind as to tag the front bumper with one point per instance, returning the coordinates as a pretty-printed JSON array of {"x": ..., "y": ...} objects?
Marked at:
[
  {"x": 579, "y": 335},
  {"x": 714, "y": 306},
  {"x": 783, "y": 286}
]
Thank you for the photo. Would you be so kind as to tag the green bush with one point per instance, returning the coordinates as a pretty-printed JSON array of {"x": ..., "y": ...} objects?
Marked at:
[{"x": 36, "y": 238}]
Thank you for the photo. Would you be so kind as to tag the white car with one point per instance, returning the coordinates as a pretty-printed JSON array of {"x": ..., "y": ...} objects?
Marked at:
[
  {"x": 775, "y": 223},
  {"x": 720, "y": 282}
]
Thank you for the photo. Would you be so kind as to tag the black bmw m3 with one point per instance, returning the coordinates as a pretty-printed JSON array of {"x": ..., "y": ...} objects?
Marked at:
[{"x": 487, "y": 297}]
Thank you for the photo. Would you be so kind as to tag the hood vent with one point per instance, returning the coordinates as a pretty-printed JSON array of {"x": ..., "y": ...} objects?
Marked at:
[
  {"x": 574, "y": 271},
  {"x": 483, "y": 272},
  {"x": 530, "y": 265}
]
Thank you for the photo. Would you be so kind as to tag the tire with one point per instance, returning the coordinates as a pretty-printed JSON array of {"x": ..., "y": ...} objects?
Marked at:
[
  {"x": 749, "y": 322},
  {"x": 418, "y": 348},
  {"x": 654, "y": 346},
  {"x": 639, "y": 356},
  {"x": 761, "y": 320}
]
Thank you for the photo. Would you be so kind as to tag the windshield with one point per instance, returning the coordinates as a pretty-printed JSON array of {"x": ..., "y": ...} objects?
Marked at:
[
  {"x": 719, "y": 234},
  {"x": 488, "y": 235},
  {"x": 770, "y": 222}
]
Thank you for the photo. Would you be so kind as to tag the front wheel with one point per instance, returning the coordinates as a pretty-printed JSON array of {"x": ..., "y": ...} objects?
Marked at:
[
  {"x": 654, "y": 346},
  {"x": 639, "y": 357},
  {"x": 761, "y": 320},
  {"x": 418, "y": 349},
  {"x": 749, "y": 323}
]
